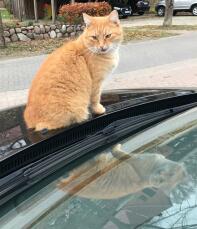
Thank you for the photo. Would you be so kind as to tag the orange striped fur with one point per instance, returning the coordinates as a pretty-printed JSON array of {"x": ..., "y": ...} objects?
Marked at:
[{"x": 68, "y": 83}]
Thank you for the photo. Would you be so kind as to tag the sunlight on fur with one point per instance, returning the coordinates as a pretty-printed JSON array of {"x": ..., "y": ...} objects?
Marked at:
[
  {"x": 119, "y": 174},
  {"x": 68, "y": 83}
]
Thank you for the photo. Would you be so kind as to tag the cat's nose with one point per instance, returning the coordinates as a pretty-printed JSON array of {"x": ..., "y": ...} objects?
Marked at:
[{"x": 103, "y": 48}]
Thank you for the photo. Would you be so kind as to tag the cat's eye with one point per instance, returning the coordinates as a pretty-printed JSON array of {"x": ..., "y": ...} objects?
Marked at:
[
  {"x": 108, "y": 36},
  {"x": 94, "y": 37}
]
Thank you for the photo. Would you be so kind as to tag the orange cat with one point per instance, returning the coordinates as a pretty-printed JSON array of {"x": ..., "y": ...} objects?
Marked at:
[{"x": 69, "y": 81}]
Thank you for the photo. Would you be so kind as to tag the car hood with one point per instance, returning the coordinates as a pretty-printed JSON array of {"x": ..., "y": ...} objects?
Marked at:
[
  {"x": 136, "y": 195},
  {"x": 14, "y": 135}
]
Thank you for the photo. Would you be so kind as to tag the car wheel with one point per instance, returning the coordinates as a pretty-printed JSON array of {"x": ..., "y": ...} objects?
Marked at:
[
  {"x": 120, "y": 16},
  {"x": 161, "y": 11},
  {"x": 124, "y": 16},
  {"x": 174, "y": 13},
  {"x": 194, "y": 10},
  {"x": 141, "y": 13}
]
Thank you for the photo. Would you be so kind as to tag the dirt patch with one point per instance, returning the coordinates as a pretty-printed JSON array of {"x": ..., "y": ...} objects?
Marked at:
[
  {"x": 173, "y": 27},
  {"x": 35, "y": 47},
  {"x": 145, "y": 34},
  {"x": 38, "y": 47}
]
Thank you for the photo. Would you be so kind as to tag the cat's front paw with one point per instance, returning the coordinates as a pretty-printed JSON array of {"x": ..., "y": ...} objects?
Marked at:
[{"x": 98, "y": 109}]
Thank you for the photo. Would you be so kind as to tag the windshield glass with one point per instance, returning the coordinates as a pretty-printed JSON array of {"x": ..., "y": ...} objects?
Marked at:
[{"x": 149, "y": 179}]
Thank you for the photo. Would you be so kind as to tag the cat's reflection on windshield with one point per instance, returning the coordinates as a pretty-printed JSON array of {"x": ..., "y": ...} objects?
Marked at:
[{"x": 117, "y": 174}]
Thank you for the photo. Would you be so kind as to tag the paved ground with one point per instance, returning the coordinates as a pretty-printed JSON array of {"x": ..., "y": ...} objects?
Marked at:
[
  {"x": 168, "y": 62},
  {"x": 16, "y": 74},
  {"x": 182, "y": 74},
  {"x": 155, "y": 20}
]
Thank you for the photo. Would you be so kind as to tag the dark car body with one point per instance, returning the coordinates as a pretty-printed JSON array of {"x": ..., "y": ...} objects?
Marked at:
[
  {"x": 123, "y": 10},
  {"x": 139, "y": 7},
  {"x": 28, "y": 158},
  {"x": 126, "y": 9}
]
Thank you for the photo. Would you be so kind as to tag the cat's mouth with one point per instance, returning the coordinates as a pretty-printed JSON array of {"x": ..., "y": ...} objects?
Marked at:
[
  {"x": 99, "y": 51},
  {"x": 103, "y": 51}
]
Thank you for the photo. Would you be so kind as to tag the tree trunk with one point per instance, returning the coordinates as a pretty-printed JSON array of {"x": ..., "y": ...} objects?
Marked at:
[
  {"x": 2, "y": 39},
  {"x": 29, "y": 9},
  {"x": 35, "y": 10},
  {"x": 53, "y": 11},
  {"x": 168, "y": 13},
  {"x": 19, "y": 10},
  {"x": 72, "y": 1}
]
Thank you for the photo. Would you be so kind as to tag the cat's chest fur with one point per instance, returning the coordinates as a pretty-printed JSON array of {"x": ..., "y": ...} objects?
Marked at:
[
  {"x": 103, "y": 65},
  {"x": 115, "y": 60}
]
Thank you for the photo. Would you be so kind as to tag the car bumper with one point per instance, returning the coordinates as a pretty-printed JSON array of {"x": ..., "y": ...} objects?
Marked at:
[
  {"x": 143, "y": 8},
  {"x": 125, "y": 12}
]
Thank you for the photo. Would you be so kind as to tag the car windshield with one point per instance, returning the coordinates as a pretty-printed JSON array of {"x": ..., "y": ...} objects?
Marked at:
[{"x": 147, "y": 180}]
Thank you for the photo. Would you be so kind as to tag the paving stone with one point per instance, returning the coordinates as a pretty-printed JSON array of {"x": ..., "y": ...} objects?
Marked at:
[
  {"x": 7, "y": 40},
  {"x": 18, "y": 30},
  {"x": 63, "y": 29},
  {"x": 12, "y": 31},
  {"x": 14, "y": 38},
  {"x": 37, "y": 30},
  {"x": 23, "y": 37},
  {"x": 59, "y": 35},
  {"x": 42, "y": 29},
  {"x": 6, "y": 34},
  {"x": 52, "y": 34}
]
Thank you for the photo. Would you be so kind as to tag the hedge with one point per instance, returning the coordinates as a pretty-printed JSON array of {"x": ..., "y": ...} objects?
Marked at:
[{"x": 72, "y": 13}]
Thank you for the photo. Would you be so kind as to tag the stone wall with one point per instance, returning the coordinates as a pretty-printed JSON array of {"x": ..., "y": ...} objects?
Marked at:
[{"x": 36, "y": 32}]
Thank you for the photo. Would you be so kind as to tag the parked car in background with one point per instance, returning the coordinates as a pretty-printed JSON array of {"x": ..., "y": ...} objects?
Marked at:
[
  {"x": 139, "y": 6},
  {"x": 179, "y": 6},
  {"x": 123, "y": 10},
  {"x": 128, "y": 8}
]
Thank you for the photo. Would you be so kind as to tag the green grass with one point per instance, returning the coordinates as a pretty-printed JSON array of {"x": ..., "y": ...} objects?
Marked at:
[{"x": 5, "y": 14}]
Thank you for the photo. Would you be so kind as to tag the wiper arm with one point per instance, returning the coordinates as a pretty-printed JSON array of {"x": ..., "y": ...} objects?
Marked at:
[
  {"x": 143, "y": 119},
  {"x": 33, "y": 173},
  {"x": 68, "y": 137}
]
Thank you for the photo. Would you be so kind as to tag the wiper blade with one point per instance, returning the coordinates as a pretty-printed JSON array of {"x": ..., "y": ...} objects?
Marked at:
[
  {"x": 29, "y": 175},
  {"x": 65, "y": 138},
  {"x": 142, "y": 119}
]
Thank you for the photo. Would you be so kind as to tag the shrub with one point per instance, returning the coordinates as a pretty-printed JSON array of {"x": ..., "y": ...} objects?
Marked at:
[
  {"x": 72, "y": 13},
  {"x": 30, "y": 23}
]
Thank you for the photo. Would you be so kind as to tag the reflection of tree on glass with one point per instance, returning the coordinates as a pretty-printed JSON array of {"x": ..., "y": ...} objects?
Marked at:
[{"x": 115, "y": 175}]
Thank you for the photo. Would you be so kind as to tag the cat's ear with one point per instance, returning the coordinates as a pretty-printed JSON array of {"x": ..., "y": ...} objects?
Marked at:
[
  {"x": 113, "y": 17},
  {"x": 87, "y": 19}
]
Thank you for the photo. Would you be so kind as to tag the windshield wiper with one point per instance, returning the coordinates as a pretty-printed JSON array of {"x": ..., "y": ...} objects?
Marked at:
[
  {"x": 16, "y": 182},
  {"x": 73, "y": 135}
]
